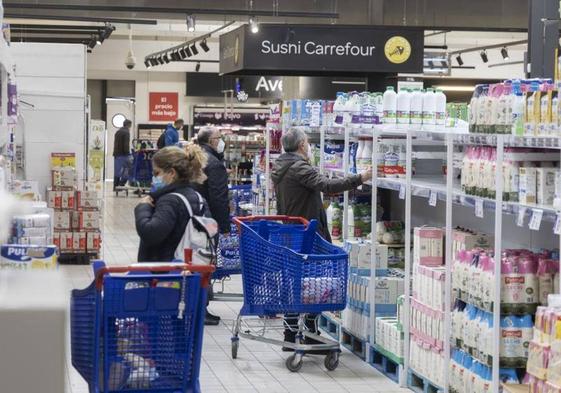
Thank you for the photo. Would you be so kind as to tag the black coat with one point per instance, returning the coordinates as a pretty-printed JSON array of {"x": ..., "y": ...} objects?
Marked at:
[
  {"x": 298, "y": 187},
  {"x": 161, "y": 228},
  {"x": 122, "y": 146},
  {"x": 215, "y": 188}
]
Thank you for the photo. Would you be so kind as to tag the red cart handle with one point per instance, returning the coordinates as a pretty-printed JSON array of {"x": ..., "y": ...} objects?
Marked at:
[
  {"x": 205, "y": 270},
  {"x": 286, "y": 219}
]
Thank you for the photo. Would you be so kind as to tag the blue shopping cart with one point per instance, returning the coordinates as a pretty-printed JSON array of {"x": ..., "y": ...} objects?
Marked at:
[
  {"x": 228, "y": 261},
  {"x": 288, "y": 268},
  {"x": 140, "y": 332}
]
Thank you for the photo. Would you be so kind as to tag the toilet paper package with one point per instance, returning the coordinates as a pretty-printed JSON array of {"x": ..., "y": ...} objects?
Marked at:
[{"x": 24, "y": 257}]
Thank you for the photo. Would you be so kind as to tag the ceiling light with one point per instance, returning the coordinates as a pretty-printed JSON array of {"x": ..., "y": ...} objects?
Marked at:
[
  {"x": 175, "y": 56},
  {"x": 253, "y": 25},
  {"x": 194, "y": 50},
  {"x": 190, "y": 23},
  {"x": 484, "y": 56},
  {"x": 182, "y": 54},
  {"x": 188, "y": 51},
  {"x": 153, "y": 62},
  {"x": 459, "y": 60},
  {"x": 147, "y": 63},
  {"x": 160, "y": 60},
  {"x": 204, "y": 45},
  {"x": 198, "y": 67},
  {"x": 504, "y": 53},
  {"x": 92, "y": 43},
  {"x": 166, "y": 58}
]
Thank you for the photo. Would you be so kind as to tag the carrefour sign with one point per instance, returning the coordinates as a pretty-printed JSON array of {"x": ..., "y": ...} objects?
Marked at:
[{"x": 321, "y": 49}]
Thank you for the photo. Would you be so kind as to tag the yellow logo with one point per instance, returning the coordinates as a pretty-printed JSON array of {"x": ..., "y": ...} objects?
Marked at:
[{"x": 397, "y": 50}]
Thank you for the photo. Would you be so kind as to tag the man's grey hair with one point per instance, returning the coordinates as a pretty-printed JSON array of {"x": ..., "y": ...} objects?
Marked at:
[
  {"x": 204, "y": 135},
  {"x": 292, "y": 139}
]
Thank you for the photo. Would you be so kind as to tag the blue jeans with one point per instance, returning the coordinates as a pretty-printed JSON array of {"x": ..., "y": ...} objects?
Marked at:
[{"x": 122, "y": 170}]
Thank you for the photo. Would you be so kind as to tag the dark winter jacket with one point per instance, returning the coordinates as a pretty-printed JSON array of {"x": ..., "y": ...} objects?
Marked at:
[
  {"x": 162, "y": 228},
  {"x": 122, "y": 147},
  {"x": 171, "y": 135},
  {"x": 298, "y": 187},
  {"x": 215, "y": 188}
]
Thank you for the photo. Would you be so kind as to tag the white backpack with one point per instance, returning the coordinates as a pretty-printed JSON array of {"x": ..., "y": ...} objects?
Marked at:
[{"x": 200, "y": 234}]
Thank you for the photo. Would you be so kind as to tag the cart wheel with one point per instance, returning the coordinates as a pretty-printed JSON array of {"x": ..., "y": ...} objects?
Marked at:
[
  {"x": 294, "y": 363},
  {"x": 331, "y": 361},
  {"x": 235, "y": 347}
]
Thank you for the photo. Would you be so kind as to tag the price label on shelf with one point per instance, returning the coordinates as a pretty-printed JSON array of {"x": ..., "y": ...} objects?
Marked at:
[
  {"x": 536, "y": 220},
  {"x": 557, "y": 226},
  {"x": 402, "y": 192},
  {"x": 479, "y": 208},
  {"x": 432, "y": 198},
  {"x": 521, "y": 215}
]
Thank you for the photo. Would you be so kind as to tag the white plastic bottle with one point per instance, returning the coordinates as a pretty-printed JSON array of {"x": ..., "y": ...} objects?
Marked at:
[
  {"x": 429, "y": 109},
  {"x": 403, "y": 108},
  {"x": 358, "y": 157},
  {"x": 366, "y": 157},
  {"x": 390, "y": 106},
  {"x": 416, "y": 108},
  {"x": 329, "y": 214},
  {"x": 351, "y": 222},
  {"x": 440, "y": 112},
  {"x": 518, "y": 113}
]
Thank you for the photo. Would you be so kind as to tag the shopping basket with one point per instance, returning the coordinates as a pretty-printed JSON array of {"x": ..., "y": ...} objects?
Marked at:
[
  {"x": 140, "y": 332},
  {"x": 288, "y": 268}
]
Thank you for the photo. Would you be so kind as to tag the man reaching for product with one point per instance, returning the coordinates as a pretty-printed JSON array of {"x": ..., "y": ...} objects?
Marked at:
[{"x": 298, "y": 187}]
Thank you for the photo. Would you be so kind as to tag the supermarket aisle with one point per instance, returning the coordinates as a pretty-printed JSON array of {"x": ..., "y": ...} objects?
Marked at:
[{"x": 259, "y": 367}]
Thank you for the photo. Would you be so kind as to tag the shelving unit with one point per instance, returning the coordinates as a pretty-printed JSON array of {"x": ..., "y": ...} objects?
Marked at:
[{"x": 447, "y": 189}]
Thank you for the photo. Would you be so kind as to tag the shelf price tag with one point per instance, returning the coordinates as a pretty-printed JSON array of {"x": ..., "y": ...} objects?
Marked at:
[
  {"x": 536, "y": 220},
  {"x": 557, "y": 226},
  {"x": 401, "y": 191},
  {"x": 479, "y": 208},
  {"x": 433, "y": 198},
  {"x": 521, "y": 215}
]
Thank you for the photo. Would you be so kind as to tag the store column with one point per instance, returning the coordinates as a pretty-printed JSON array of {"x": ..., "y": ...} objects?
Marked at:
[
  {"x": 543, "y": 36},
  {"x": 290, "y": 87}
]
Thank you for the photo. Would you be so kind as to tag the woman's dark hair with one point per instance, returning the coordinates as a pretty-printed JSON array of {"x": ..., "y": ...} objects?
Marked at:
[{"x": 188, "y": 163}]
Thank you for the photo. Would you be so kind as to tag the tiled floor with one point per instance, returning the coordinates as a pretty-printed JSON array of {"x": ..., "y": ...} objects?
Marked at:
[{"x": 259, "y": 367}]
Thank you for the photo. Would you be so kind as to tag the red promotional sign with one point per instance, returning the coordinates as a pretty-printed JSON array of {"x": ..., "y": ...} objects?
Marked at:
[{"x": 163, "y": 106}]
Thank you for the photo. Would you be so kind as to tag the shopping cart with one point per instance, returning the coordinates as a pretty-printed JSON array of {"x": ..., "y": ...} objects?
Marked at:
[
  {"x": 141, "y": 173},
  {"x": 140, "y": 332},
  {"x": 287, "y": 268}
]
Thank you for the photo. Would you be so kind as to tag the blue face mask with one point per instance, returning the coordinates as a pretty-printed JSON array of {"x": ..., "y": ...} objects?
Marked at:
[{"x": 158, "y": 182}]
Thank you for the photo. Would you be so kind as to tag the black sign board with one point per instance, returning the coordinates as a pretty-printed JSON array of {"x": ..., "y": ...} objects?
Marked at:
[
  {"x": 321, "y": 49},
  {"x": 243, "y": 119}
]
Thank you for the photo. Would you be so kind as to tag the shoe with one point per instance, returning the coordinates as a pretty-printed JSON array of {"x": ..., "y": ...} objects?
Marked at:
[
  {"x": 211, "y": 322},
  {"x": 212, "y": 317}
]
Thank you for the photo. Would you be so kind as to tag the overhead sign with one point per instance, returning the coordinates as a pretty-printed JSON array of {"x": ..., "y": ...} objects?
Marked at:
[
  {"x": 246, "y": 119},
  {"x": 163, "y": 106},
  {"x": 319, "y": 49}
]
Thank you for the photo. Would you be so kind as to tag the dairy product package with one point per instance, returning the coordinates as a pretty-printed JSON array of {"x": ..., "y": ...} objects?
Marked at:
[
  {"x": 428, "y": 243},
  {"x": 528, "y": 185},
  {"x": 333, "y": 155},
  {"x": 545, "y": 185},
  {"x": 15, "y": 256}
]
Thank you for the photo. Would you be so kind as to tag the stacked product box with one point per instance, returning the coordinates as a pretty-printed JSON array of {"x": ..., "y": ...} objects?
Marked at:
[
  {"x": 427, "y": 304},
  {"x": 32, "y": 229},
  {"x": 25, "y": 257},
  {"x": 389, "y": 336},
  {"x": 77, "y": 218}
]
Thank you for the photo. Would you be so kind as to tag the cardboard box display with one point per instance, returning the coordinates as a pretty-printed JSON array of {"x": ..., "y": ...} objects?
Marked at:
[
  {"x": 85, "y": 219},
  {"x": 87, "y": 199},
  {"x": 388, "y": 289},
  {"x": 56, "y": 239},
  {"x": 428, "y": 243},
  {"x": 62, "y": 219},
  {"x": 66, "y": 241},
  {"x": 79, "y": 241},
  {"x": 93, "y": 241},
  {"x": 25, "y": 257},
  {"x": 38, "y": 220}
]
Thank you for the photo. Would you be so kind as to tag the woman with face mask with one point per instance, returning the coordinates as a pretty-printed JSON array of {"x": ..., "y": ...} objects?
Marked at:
[{"x": 161, "y": 218}]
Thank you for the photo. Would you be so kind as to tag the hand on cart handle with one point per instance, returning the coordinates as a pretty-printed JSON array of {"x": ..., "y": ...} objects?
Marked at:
[{"x": 284, "y": 219}]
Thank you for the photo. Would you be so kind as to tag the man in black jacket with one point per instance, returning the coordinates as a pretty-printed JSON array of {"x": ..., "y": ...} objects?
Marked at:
[
  {"x": 121, "y": 154},
  {"x": 215, "y": 187},
  {"x": 298, "y": 187}
]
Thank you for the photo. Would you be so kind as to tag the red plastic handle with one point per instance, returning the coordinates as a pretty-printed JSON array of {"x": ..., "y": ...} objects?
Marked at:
[
  {"x": 286, "y": 219},
  {"x": 205, "y": 270}
]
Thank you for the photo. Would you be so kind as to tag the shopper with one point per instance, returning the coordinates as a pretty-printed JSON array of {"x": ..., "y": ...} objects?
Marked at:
[
  {"x": 161, "y": 218},
  {"x": 122, "y": 155},
  {"x": 298, "y": 188},
  {"x": 298, "y": 185},
  {"x": 215, "y": 187},
  {"x": 171, "y": 134}
]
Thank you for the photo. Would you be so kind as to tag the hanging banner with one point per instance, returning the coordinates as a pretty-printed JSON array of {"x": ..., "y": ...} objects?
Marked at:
[
  {"x": 163, "y": 107},
  {"x": 321, "y": 49}
]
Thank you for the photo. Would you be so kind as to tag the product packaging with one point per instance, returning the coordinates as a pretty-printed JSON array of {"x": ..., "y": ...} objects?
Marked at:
[{"x": 25, "y": 257}]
